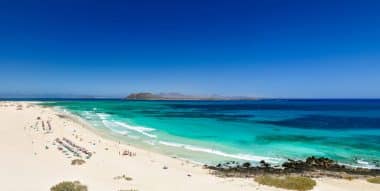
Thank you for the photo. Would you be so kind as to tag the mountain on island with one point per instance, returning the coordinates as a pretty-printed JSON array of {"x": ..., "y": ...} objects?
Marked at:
[{"x": 179, "y": 96}]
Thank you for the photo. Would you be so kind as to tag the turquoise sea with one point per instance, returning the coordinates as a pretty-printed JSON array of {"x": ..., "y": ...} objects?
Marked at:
[{"x": 216, "y": 131}]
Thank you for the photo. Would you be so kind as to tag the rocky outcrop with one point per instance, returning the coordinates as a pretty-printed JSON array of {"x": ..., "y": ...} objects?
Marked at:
[
  {"x": 311, "y": 163},
  {"x": 312, "y": 166}
]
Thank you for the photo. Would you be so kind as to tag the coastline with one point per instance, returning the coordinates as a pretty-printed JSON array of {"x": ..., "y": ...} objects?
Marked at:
[
  {"x": 106, "y": 136},
  {"x": 214, "y": 132},
  {"x": 118, "y": 139},
  {"x": 29, "y": 161}
]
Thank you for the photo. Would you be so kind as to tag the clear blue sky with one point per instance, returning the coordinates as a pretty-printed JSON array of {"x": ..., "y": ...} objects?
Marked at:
[{"x": 271, "y": 48}]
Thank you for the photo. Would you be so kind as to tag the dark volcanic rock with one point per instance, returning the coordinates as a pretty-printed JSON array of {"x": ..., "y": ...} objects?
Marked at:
[
  {"x": 264, "y": 164},
  {"x": 311, "y": 163},
  {"x": 246, "y": 165},
  {"x": 312, "y": 166}
]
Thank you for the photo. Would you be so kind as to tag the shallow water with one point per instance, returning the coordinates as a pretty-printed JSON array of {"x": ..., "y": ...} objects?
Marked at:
[{"x": 216, "y": 131}]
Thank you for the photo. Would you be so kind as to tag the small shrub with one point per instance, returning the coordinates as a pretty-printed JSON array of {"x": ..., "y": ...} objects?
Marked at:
[
  {"x": 290, "y": 182},
  {"x": 69, "y": 186},
  {"x": 124, "y": 177},
  {"x": 77, "y": 162},
  {"x": 375, "y": 180},
  {"x": 348, "y": 177},
  {"x": 127, "y": 178}
]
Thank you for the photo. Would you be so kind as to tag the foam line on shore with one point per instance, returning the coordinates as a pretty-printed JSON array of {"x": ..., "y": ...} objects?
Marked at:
[{"x": 246, "y": 157}]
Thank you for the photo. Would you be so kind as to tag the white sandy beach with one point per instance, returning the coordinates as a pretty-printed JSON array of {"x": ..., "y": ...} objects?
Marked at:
[{"x": 30, "y": 160}]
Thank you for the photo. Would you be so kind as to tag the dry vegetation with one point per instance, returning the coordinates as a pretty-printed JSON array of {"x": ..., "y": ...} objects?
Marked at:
[
  {"x": 375, "y": 180},
  {"x": 289, "y": 182},
  {"x": 69, "y": 186},
  {"x": 348, "y": 177},
  {"x": 77, "y": 162},
  {"x": 123, "y": 177}
]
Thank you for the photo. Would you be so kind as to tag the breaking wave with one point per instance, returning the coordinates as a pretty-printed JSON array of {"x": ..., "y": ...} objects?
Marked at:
[{"x": 139, "y": 129}]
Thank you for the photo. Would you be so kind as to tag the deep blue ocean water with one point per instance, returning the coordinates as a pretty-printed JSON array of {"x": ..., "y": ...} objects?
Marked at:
[{"x": 216, "y": 131}]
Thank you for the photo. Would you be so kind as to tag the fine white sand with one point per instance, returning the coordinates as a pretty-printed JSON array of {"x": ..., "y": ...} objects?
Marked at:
[{"x": 30, "y": 160}]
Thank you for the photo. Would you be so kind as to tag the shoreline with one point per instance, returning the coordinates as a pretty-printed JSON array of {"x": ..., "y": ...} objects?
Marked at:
[
  {"x": 112, "y": 136},
  {"x": 105, "y": 135},
  {"x": 227, "y": 157},
  {"x": 32, "y": 158}
]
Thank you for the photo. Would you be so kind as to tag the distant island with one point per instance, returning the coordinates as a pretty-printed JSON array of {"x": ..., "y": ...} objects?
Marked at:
[{"x": 179, "y": 96}]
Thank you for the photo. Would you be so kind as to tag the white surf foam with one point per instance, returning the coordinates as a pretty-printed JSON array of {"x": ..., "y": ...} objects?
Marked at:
[
  {"x": 114, "y": 127},
  {"x": 102, "y": 115},
  {"x": 171, "y": 144},
  {"x": 220, "y": 153},
  {"x": 120, "y": 131},
  {"x": 362, "y": 162},
  {"x": 365, "y": 164},
  {"x": 88, "y": 115},
  {"x": 142, "y": 130}
]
